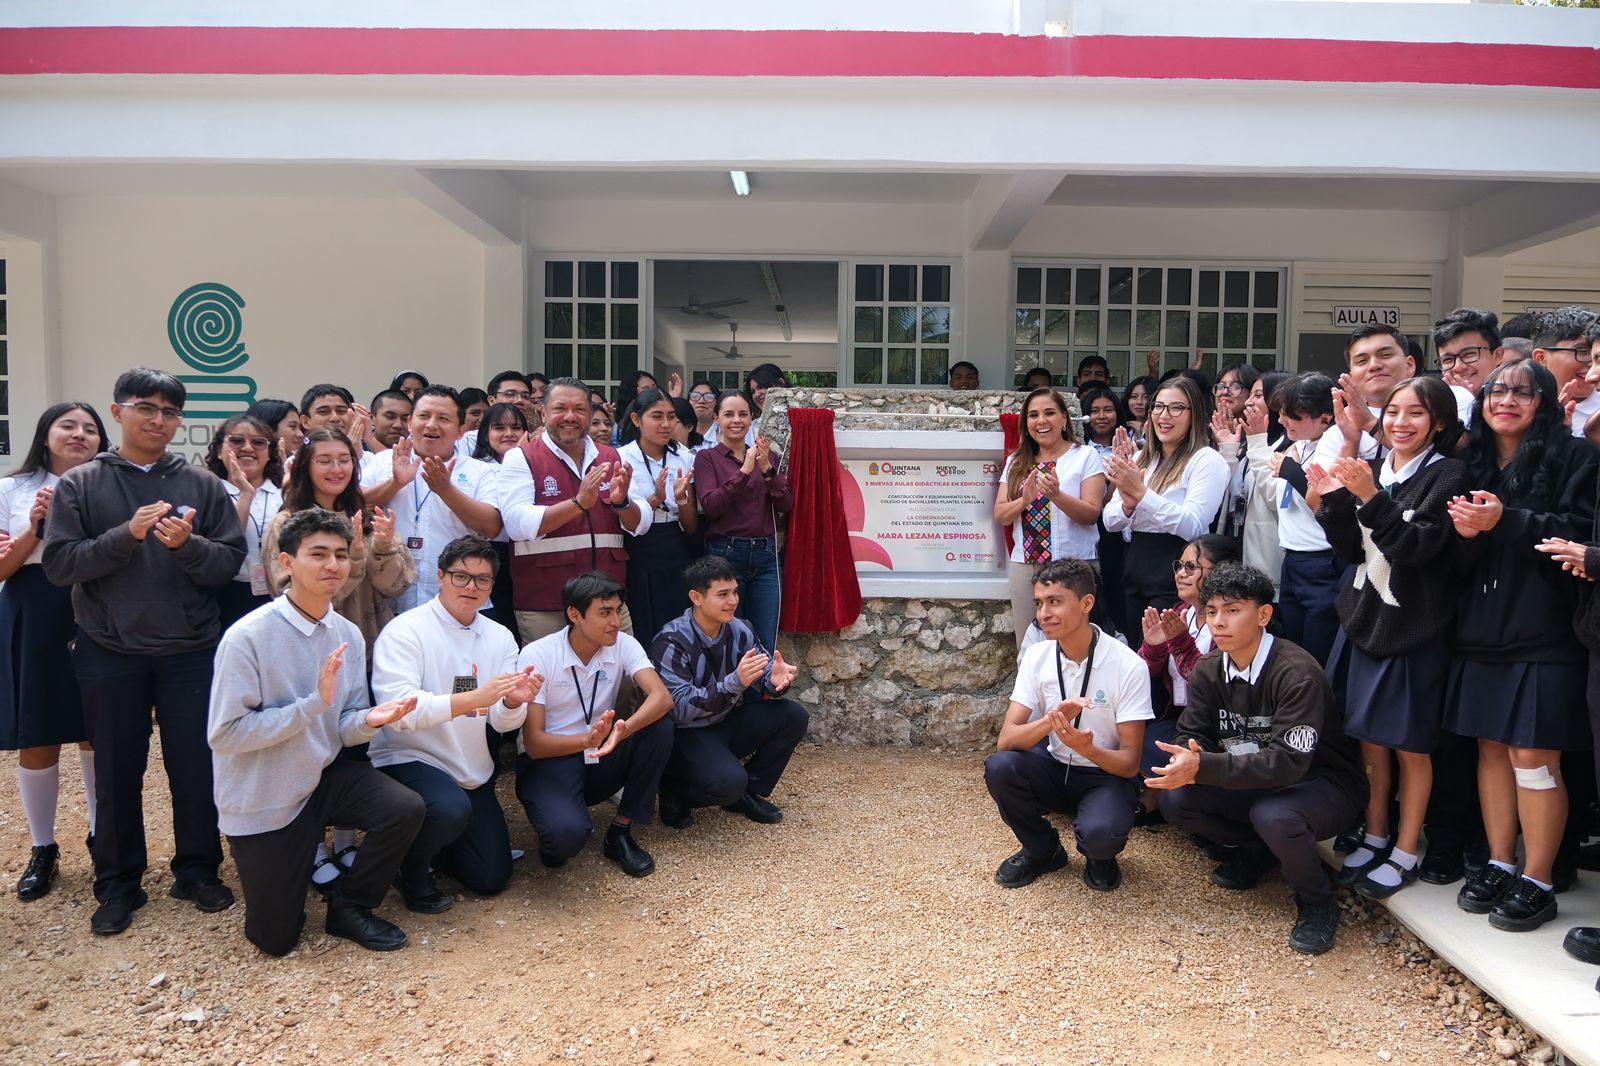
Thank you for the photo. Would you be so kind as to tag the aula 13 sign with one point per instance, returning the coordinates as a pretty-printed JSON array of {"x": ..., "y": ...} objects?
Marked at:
[{"x": 1366, "y": 315}]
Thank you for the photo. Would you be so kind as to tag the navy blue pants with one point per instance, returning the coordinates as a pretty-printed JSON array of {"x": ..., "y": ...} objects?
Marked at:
[
  {"x": 557, "y": 793},
  {"x": 745, "y": 752},
  {"x": 1162, "y": 729},
  {"x": 463, "y": 834},
  {"x": 1288, "y": 820},
  {"x": 755, "y": 563},
  {"x": 1027, "y": 784},
  {"x": 1309, "y": 584}
]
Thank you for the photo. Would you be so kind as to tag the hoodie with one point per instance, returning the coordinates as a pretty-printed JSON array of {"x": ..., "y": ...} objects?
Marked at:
[{"x": 142, "y": 598}]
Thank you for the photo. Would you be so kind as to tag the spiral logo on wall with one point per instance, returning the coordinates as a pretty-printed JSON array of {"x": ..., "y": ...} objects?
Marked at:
[{"x": 206, "y": 329}]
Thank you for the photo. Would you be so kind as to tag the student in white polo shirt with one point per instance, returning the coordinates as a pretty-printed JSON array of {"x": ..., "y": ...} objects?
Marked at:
[
  {"x": 462, "y": 668},
  {"x": 1072, "y": 736},
  {"x": 578, "y": 745}
]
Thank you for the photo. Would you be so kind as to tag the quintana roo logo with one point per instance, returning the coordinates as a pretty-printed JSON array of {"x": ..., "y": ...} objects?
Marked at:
[{"x": 206, "y": 329}]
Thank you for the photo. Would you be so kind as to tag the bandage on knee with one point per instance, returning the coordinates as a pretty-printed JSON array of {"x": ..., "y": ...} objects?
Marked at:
[{"x": 1538, "y": 779}]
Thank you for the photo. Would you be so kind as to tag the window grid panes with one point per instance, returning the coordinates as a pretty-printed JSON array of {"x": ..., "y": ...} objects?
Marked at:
[
  {"x": 901, "y": 323},
  {"x": 592, "y": 314},
  {"x": 1233, "y": 313}
]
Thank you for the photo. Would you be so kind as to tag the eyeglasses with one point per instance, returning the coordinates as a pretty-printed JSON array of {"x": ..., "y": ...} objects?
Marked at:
[
  {"x": 1466, "y": 355},
  {"x": 1519, "y": 394},
  {"x": 330, "y": 462},
  {"x": 258, "y": 443},
  {"x": 461, "y": 579},
  {"x": 1232, "y": 390},
  {"x": 513, "y": 395},
  {"x": 151, "y": 412},
  {"x": 1173, "y": 409},
  {"x": 702, "y": 397},
  {"x": 1181, "y": 567},
  {"x": 1584, "y": 354}
]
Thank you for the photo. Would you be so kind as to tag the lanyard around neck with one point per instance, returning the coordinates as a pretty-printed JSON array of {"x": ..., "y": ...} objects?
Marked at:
[
  {"x": 1088, "y": 665},
  {"x": 594, "y": 692}
]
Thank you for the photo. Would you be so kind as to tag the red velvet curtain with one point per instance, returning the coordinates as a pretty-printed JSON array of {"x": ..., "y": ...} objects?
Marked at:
[
  {"x": 1011, "y": 426},
  {"x": 820, "y": 590}
]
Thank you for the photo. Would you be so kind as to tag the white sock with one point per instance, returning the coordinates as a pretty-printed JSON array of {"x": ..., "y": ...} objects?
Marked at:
[
  {"x": 1370, "y": 846},
  {"x": 1541, "y": 884},
  {"x": 325, "y": 873},
  {"x": 344, "y": 838},
  {"x": 86, "y": 764},
  {"x": 1387, "y": 875},
  {"x": 39, "y": 789},
  {"x": 1506, "y": 866}
]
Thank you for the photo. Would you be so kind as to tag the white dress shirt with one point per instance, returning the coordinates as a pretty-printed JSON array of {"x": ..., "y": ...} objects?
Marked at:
[
  {"x": 1068, "y": 539},
  {"x": 16, "y": 504},
  {"x": 420, "y": 515},
  {"x": 518, "y": 509},
  {"x": 575, "y": 692},
  {"x": 679, "y": 461},
  {"x": 1185, "y": 509},
  {"x": 1119, "y": 691}
]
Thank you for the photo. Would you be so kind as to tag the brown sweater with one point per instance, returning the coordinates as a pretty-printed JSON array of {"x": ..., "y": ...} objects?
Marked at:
[{"x": 375, "y": 576}]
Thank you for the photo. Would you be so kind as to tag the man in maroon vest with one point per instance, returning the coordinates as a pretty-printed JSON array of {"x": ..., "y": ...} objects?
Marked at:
[{"x": 564, "y": 500}]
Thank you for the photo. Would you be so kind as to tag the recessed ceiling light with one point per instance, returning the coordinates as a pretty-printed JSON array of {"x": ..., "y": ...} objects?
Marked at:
[{"x": 741, "y": 182}]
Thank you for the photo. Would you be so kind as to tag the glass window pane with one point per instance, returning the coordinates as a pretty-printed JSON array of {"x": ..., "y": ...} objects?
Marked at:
[
  {"x": 1147, "y": 331},
  {"x": 1266, "y": 289},
  {"x": 624, "y": 359},
  {"x": 558, "y": 279},
  {"x": 936, "y": 325},
  {"x": 592, "y": 362},
  {"x": 1206, "y": 330},
  {"x": 935, "y": 284},
  {"x": 558, "y": 360},
  {"x": 1085, "y": 329},
  {"x": 1021, "y": 362},
  {"x": 1174, "y": 361},
  {"x": 625, "y": 322},
  {"x": 1264, "y": 363},
  {"x": 869, "y": 325},
  {"x": 1264, "y": 331},
  {"x": 5, "y": 359},
  {"x": 1028, "y": 285},
  {"x": 902, "y": 324},
  {"x": 5, "y": 437},
  {"x": 1119, "y": 327},
  {"x": 558, "y": 320},
  {"x": 1059, "y": 363},
  {"x": 1235, "y": 330},
  {"x": 903, "y": 282},
  {"x": 1149, "y": 285},
  {"x": 1058, "y": 286},
  {"x": 625, "y": 281},
  {"x": 1177, "y": 329},
  {"x": 1236, "y": 289},
  {"x": 2, "y": 277},
  {"x": 869, "y": 366},
  {"x": 1121, "y": 366},
  {"x": 1088, "y": 286},
  {"x": 1210, "y": 288},
  {"x": 1179, "y": 283},
  {"x": 592, "y": 320},
  {"x": 1119, "y": 285},
  {"x": 869, "y": 283},
  {"x": 1058, "y": 327},
  {"x": 1027, "y": 331},
  {"x": 1208, "y": 365},
  {"x": 935, "y": 366},
  {"x": 592, "y": 280}
]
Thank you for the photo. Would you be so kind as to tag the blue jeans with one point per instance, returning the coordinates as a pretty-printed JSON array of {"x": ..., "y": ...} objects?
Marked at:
[{"x": 755, "y": 564}]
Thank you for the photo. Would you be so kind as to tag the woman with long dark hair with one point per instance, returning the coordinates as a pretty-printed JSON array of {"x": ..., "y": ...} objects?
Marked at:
[
  {"x": 1246, "y": 442},
  {"x": 284, "y": 418},
  {"x": 761, "y": 378},
  {"x": 663, "y": 480},
  {"x": 1103, "y": 416},
  {"x": 1136, "y": 402},
  {"x": 244, "y": 454},
  {"x": 40, "y": 708},
  {"x": 633, "y": 383},
  {"x": 410, "y": 382}
]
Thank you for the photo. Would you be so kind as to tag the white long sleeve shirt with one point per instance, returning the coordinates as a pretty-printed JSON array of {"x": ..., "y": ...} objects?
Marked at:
[
  {"x": 519, "y": 507},
  {"x": 427, "y": 653},
  {"x": 1185, "y": 509}
]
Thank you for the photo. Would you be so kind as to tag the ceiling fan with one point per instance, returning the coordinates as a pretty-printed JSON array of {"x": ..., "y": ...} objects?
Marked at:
[
  {"x": 732, "y": 350},
  {"x": 708, "y": 308}
]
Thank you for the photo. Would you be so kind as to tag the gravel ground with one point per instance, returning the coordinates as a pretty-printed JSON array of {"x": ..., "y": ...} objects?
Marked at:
[{"x": 864, "y": 928}]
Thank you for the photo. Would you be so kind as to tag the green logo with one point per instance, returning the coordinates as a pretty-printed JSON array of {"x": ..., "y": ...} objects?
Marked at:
[{"x": 206, "y": 330}]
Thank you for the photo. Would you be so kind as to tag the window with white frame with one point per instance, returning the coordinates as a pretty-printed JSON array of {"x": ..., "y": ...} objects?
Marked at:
[
  {"x": 1063, "y": 311},
  {"x": 901, "y": 323},
  {"x": 592, "y": 319},
  {"x": 734, "y": 379}
]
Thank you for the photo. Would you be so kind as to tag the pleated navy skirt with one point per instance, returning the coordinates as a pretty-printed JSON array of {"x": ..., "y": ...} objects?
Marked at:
[
  {"x": 656, "y": 592},
  {"x": 1396, "y": 702},
  {"x": 1525, "y": 705},
  {"x": 39, "y": 701}
]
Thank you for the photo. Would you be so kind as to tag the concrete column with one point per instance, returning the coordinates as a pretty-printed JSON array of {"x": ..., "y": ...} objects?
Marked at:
[{"x": 986, "y": 309}]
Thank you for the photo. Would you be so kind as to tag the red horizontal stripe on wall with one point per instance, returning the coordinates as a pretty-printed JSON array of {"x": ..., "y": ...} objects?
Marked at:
[{"x": 776, "y": 53}]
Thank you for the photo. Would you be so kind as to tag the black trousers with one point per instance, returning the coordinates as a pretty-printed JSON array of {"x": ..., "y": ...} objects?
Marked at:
[
  {"x": 1307, "y": 588},
  {"x": 557, "y": 793},
  {"x": 1147, "y": 575},
  {"x": 1288, "y": 820},
  {"x": 275, "y": 867},
  {"x": 1026, "y": 784},
  {"x": 119, "y": 691},
  {"x": 463, "y": 833},
  {"x": 1455, "y": 815},
  {"x": 714, "y": 765}
]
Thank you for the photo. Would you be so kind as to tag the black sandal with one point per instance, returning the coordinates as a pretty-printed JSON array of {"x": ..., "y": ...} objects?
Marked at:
[{"x": 1377, "y": 890}]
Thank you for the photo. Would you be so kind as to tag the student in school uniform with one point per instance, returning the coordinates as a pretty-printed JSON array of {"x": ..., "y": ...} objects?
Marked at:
[
  {"x": 461, "y": 666},
  {"x": 244, "y": 454},
  {"x": 1390, "y": 660},
  {"x": 1517, "y": 683},
  {"x": 662, "y": 480},
  {"x": 578, "y": 744},
  {"x": 502, "y": 428},
  {"x": 40, "y": 706},
  {"x": 730, "y": 746},
  {"x": 291, "y": 692},
  {"x": 1561, "y": 346},
  {"x": 1250, "y": 510},
  {"x": 1103, "y": 414},
  {"x": 1261, "y": 761}
]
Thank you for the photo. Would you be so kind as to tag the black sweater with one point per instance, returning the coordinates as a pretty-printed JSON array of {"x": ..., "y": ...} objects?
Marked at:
[
  {"x": 1516, "y": 605},
  {"x": 1401, "y": 594}
]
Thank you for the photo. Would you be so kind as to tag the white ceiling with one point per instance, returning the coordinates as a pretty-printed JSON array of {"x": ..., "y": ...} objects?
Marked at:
[
  {"x": 810, "y": 186},
  {"x": 1368, "y": 193}
]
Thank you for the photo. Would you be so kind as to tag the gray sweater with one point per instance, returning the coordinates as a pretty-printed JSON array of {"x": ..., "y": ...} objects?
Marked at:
[{"x": 271, "y": 734}]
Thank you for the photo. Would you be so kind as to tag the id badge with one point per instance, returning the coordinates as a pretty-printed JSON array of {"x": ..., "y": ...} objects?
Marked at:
[
  {"x": 414, "y": 545},
  {"x": 466, "y": 683},
  {"x": 258, "y": 579},
  {"x": 591, "y": 756},
  {"x": 1241, "y": 746}
]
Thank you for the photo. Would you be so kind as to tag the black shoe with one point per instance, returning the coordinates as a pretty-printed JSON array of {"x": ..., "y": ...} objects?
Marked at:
[
  {"x": 1485, "y": 887},
  {"x": 361, "y": 925},
  {"x": 88, "y": 842},
  {"x": 1589, "y": 857},
  {"x": 756, "y": 809},
  {"x": 1345, "y": 843},
  {"x": 1583, "y": 942},
  {"x": 115, "y": 915},
  {"x": 1524, "y": 908},
  {"x": 622, "y": 849},
  {"x": 210, "y": 895},
  {"x": 1020, "y": 870},
  {"x": 550, "y": 862},
  {"x": 1376, "y": 889},
  {"x": 40, "y": 874},
  {"x": 1315, "y": 926},
  {"x": 1102, "y": 875},
  {"x": 1245, "y": 870},
  {"x": 1148, "y": 819},
  {"x": 1350, "y": 872},
  {"x": 1442, "y": 866},
  {"x": 1214, "y": 851},
  {"x": 425, "y": 897},
  {"x": 1564, "y": 877},
  {"x": 675, "y": 813},
  {"x": 1477, "y": 856}
]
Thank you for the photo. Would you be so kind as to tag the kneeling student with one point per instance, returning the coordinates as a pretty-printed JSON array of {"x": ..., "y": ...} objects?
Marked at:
[
  {"x": 462, "y": 668},
  {"x": 728, "y": 749},
  {"x": 1261, "y": 761},
  {"x": 1089, "y": 697},
  {"x": 575, "y": 749},
  {"x": 285, "y": 700}
]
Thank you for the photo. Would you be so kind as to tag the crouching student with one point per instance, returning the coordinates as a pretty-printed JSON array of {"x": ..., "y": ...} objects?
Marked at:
[
  {"x": 461, "y": 666},
  {"x": 1261, "y": 761},
  {"x": 578, "y": 745},
  {"x": 1071, "y": 738},
  {"x": 290, "y": 691},
  {"x": 729, "y": 748}
]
